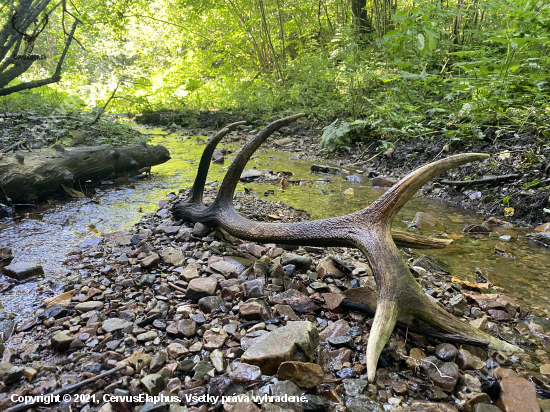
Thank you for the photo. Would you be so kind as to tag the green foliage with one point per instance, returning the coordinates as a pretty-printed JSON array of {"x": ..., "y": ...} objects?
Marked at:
[
  {"x": 529, "y": 185},
  {"x": 451, "y": 68},
  {"x": 338, "y": 135}
]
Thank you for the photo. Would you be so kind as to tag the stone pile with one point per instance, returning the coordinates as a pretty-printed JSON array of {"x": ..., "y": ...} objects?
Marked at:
[{"x": 188, "y": 310}]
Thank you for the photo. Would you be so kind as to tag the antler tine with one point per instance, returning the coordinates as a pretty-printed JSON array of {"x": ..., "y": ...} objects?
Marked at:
[
  {"x": 387, "y": 206},
  {"x": 399, "y": 294},
  {"x": 204, "y": 164},
  {"x": 227, "y": 189}
]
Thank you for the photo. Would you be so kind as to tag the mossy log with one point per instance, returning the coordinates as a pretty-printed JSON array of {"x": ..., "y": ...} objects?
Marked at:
[{"x": 31, "y": 176}]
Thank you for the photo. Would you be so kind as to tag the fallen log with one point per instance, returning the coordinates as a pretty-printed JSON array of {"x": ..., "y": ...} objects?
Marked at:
[
  {"x": 28, "y": 177},
  {"x": 482, "y": 181}
]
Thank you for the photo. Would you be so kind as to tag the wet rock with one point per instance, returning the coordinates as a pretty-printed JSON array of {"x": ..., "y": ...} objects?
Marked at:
[
  {"x": 286, "y": 312},
  {"x": 200, "y": 230},
  {"x": 443, "y": 374},
  {"x": 55, "y": 311},
  {"x": 424, "y": 221},
  {"x": 324, "y": 169},
  {"x": 176, "y": 350},
  {"x": 249, "y": 175},
  {"x": 185, "y": 328},
  {"x": 252, "y": 338},
  {"x": 339, "y": 341},
  {"x": 217, "y": 357},
  {"x": 210, "y": 303},
  {"x": 255, "y": 250},
  {"x": 23, "y": 270},
  {"x": 158, "y": 361},
  {"x": 190, "y": 272},
  {"x": 485, "y": 407},
  {"x": 542, "y": 238},
  {"x": 242, "y": 404},
  {"x": 6, "y": 254},
  {"x": 115, "y": 324},
  {"x": 379, "y": 181},
  {"x": 338, "y": 328},
  {"x": 200, "y": 288},
  {"x": 282, "y": 388},
  {"x": 138, "y": 361},
  {"x": 303, "y": 374},
  {"x": 152, "y": 260},
  {"x": 61, "y": 342},
  {"x": 354, "y": 387},
  {"x": 466, "y": 361},
  {"x": 430, "y": 265},
  {"x": 147, "y": 336},
  {"x": 499, "y": 315},
  {"x": 327, "y": 268},
  {"x": 446, "y": 352},
  {"x": 362, "y": 404},
  {"x": 432, "y": 407},
  {"x": 459, "y": 303},
  {"x": 29, "y": 373},
  {"x": 10, "y": 373},
  {"x": 481, "y": 323},
  {"x": 243, "y": 372},
  {"x": 296, "y": 300},
  {"x": 173, "y": 257},
  {"x": 253, "y": 311},
  {"x": 477, "y": 229},
  {"x": 316, "y": 403},
  {"x": 333, "y": 302},
  {"x": 545, "y": 369},
  {"x": 153, "y": 384},
  {"x": 226, "y": 269},
  {"x": 295, "y": 342},
  {"x": 214, "y": 339},
  {"x": 503, "y": 250},
  {"x": 253, "y": 289},
  {"x": 302, "y": 262},
  {"x": 366, "y": 295},
  {"x": 201, "y": 370},
  {"x": 517, "y": 394}
]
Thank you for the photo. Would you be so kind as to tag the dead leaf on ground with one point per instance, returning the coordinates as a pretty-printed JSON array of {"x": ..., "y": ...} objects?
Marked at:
[
  {"x": 277, "y": 215},
  {"x": 74, "y": 193},
  {"x": 63, "y": 299}
]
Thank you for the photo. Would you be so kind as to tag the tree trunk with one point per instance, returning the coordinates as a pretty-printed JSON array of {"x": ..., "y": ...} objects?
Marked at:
[
  {"x": 25, "y": 178},
  {"x": 360, "y": 17}
]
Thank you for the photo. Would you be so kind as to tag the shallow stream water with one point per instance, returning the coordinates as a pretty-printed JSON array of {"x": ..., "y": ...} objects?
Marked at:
[{"x": 47, "y": 234}]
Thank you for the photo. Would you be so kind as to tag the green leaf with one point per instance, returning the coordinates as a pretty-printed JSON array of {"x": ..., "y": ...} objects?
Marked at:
[{"x": 528, "y": 185}]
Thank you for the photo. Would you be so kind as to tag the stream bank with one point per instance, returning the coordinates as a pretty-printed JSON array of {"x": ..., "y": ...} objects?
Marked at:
[{"x": 522, "y": 153}]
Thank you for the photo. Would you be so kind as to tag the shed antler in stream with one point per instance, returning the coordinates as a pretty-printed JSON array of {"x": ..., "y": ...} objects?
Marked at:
[{"x": 368, "y": 230}]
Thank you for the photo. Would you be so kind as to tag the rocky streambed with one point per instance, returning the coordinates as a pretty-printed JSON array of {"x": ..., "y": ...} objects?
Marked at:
[{"x": 188, "y": 311}]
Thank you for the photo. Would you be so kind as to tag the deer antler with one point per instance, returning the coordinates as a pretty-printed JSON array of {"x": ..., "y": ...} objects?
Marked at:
[{"x": 368, "y": 230}]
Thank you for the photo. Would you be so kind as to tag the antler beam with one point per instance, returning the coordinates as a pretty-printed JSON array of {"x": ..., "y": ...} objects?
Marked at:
[{"x": 368, "y": 230}]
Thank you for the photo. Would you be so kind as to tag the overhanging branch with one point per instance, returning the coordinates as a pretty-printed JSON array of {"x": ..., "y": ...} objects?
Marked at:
[{"x": 43, "y": 82}]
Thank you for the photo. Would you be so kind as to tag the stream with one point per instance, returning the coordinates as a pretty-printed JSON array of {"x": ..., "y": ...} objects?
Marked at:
[{"x": 48, "y": 233}]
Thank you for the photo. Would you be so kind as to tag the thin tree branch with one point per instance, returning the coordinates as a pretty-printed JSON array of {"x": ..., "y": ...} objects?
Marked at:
[{"x": 53, "y": 79}]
